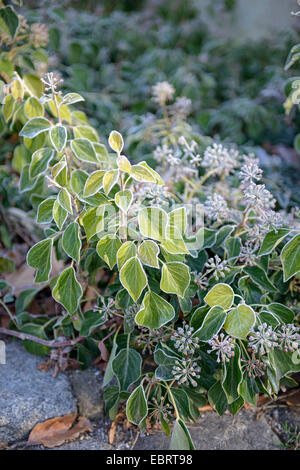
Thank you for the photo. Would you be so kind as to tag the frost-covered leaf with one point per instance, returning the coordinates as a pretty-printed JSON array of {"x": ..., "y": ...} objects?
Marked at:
[
  {"x": 65, "y": 201},
  {"x": 39, "y": 257},
  {"x": 58, "y": 137},
  {"x": 148, "y": 253},
  {"x": 35, "y": 127},
  {"x": 290, "y": 258},
  {"x": 136, "y": 406},
  {"x": 107, "y": 249},
  {"x": 109, "y": 180},
  {"x": 212, "y": 323},
  {"x": 84, "y": 150},
  {"x": 123, "y": 199},
  {"x": 71, "y": 241},
  {"x": 67, "y": 290},
  {"x": 125, "y": 252},
  {"x": 115, "y": 141},
  {"x": 93, "y": 183},
  {"x": 40, "y": 161},
  {"x": 127, "y": 367},
  {"x": 153, "y": 222},
  {"x": 239, "y": 321},
  {"x": 133, "y": 277},
  {"x": 155, "y": 311},
  {"x": 175, "y": 278},
  {"x": 221, "y": 294},
  {"x": 45, "y": 210},
  {"x": 33, "y": 108}
]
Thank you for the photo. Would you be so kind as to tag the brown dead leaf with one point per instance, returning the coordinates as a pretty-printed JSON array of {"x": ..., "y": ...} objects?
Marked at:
[
  {"x": 205, "y": 408},
  {"x": 3, "y": 445},
  {"x": 113, "y": 428},
  {"x": 54, "y": 432}
]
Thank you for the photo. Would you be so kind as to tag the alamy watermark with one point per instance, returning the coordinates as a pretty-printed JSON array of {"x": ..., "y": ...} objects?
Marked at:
[{"x": 2, "y": 353}]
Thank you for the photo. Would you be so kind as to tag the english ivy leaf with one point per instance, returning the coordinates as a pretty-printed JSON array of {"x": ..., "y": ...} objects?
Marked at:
[
  {"x": 91, "y": 321},
  {"x": 260, "y": 278},
  {"x": 9, "y": 21},
  {"x": 239, "y": 321},
  {"x": 155, "y": 311},
  {"x": 133, "y": 277},
  {"x": 64, "y": 200},
  {"x": 153, "y": 222},
  {"x": 136, "y": 406},
  {"x": 232, "y": 376},
  {"x": 60, "y": 172},
  {"x": 158, "y": 179},
  {"x": 148, "y": 253},
  {"x": 8, "y": 107},
  {"x": 93, "y": 221},
  {"x": 83, "y": 149},
  {"x": 67, "y": 290},
  {"x": 125, "y": 252},
  {"x": 290, "y": 258},
  {"x": 107, "y": 249},
  {"x": 35, "y": 127},
  {"x": 283, "y": 313},
  {"x": 72, "y": 98},
  {"x": 109, "y": 370},
  {"x": 175, "y": 278},
  {"x": 59, "y": 214},
  {"x": 217, "y": 398},
  {"x": 166, "y": 360},
  {"x": 39, "y": 257},
  {"x": 181, "y": 439},
  {"x": 33, "y": 108},
  {"x": 249, "y": 390},
  {"x": 127, "y": 367},
  {"x": 109, "y": 180},
  {"x": 93, "y": 183},
  {"x": 58, "y": 137},
  {"x": 40, "y": 161},
  {"x": 26, "y": 182},
  {"x": 233, "y": 247},
  {"x": 212, "y": 323},
  {"x": 78, "y": 179},
  {"x": 71, "y": 241},
  {"x": 272, "y": 239},
  {"x": 86, "y": 132},
  {"x": 45, "y": 211},
  {"x": 221, "y": 294},
  {"x": 123, "y": 199},
  {"x": 115, "y": 141},
  {"x": 140, "y": 173}
]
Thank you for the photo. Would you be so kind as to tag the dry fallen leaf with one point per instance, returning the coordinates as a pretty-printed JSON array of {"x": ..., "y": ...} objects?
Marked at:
[
  {"x": 205, "y": 408},
  {"x": 113, "y": 428},
  {"x": 3, "y": 445},
  {"x": 54, "y": 432}
]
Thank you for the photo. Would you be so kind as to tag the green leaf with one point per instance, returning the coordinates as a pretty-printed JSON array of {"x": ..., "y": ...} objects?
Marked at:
[
  {"x": 233, "y": 246},
  {"x": 8, "y": 107},
  {"x": 232, "y": 376},
  {"x": 58, "y": 137},
  {"x": 93, "y": 183},
  {"x": 115, "y": 141},
  {"x": 59, "y": 214},
  {"x": 67, "y": 290},
  {"x": 153, "y": 222},
  {"x": 272, "y": 239},
  {"x": 84, "y": 150},
  {"x": 65, "y": 201},
  {"x": 125, "y": 252},
  {"x": 72, "y": 98},
  {"x": 33, "y": 108},
  {"x": 35, "y": 127},
  {"x": 9, "y": 22},
  {"x": 260, "y": 278},
  {"x": 249, "y": 390},
  {"x": 91, "y": 320},
  {"x": 71, "y": 242},
  {"x": 283, "y": 313},
  {"x": 127, "y": 367},
  {"x": 93, "y": 221},
  {"x": 166, "y": 361},
  {"x": 60, "y": 172},
  {"x": 290, "y": 258},
  {"x": 109, "y": 370},
  {"x": 212, "y": 323},
  {"x": 78, "y": 180},
  {"x": 107, "y": 249},
  {"x": 32, "y": 346},
  {"x": 39, "y": 257},
  {"x": 217, "y": 398},
  {"x": 140, "y": 173},
  {"x": 123, "y": 199},
  {"x": 155, "y": 311},
  {"x": 136, "y": 406},
  {"x": 133, "y": 277},
  {"x": 148, "y": 253},
  {"x": 181, "y": 439},
  {"x": 221, "y": 294},
  {"x": 109, "y": 180},
  {"x": 239, "y": 321},
  {"x": 175, "y": 278},
  {"x": 40, "y": 161},
  {"x": 158, "y": 179},
  {"x": 45, "y": 210}
]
